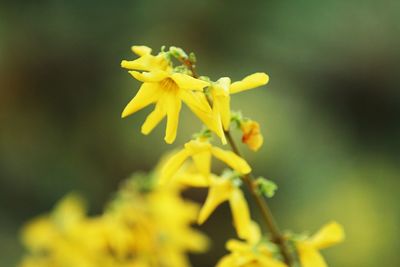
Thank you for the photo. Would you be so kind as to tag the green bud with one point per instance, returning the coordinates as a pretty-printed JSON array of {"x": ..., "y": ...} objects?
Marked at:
[
  {"x": 192, "y": 57},
  {"x": 204, "y": 133},
  {"x": 178, "y": 52},
  {"x": 237, "y": 118},
  {"x": 232, "y": 175},
  {"x": 266, "y": 187}
]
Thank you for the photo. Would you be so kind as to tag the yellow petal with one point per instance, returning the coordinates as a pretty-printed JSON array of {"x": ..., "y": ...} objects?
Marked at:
[
  {"x": 172, "y": 165},
  {"x": 173, "y": 107},
  {"x": 234, "y": 245},
  {"x": 187, "y": 82},
  {"x": 202, "y": 110},
  {"x": 327, "y": 236},
  {"x": 146, "y": 62},
  {"x": 141, "y": 50},
  {"x": 267, "y": 261},
  {"x": 255, "y": 233},
  {"x": 219, "y": 192},
  {"x": 154, "y": 118},
  {"x": 150, "y": 77},
  {"x": 192, "y": 179},
  {"x": 227, "y": 261},
  {"x": 233, "y": 160},
  {"x": 147, "y": 94},
  {"x": 222, "y": 104},
  {"x": 202, "y": 161},
  {"x": 240, "y": 213},
  {"x": 310, "y": 257},
  {"x": 249, "y": 82}
]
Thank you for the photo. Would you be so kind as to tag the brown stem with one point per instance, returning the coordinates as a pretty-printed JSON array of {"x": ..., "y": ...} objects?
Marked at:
[{"x": 276, "y": 235}]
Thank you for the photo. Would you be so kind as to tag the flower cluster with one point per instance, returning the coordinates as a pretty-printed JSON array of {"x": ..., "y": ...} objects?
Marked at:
[
  {"x": 141, "y": 227},
  {"x": 167, "y": 85},
  {"x": 153, "y": 229}
]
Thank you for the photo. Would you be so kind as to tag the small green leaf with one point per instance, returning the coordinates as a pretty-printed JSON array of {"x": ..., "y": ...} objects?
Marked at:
[{"x": 266, "y": 187}]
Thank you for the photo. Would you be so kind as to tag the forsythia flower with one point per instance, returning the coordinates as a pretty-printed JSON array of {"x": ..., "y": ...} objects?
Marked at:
[
  {"x": 167, "y": 89},
  {"x": 250, "y": 253},
  {"x": 221, "y": 189},
  {"x": 201, "y": 151},
  {"x": 252, "y": 136},
  {"x": 308, "y": 249},
  {"x": 222, "y": 89},
  {"x": 138, "y": 229}
]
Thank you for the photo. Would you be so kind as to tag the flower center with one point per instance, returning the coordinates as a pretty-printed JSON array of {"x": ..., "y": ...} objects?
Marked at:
[{"x": 169, "y": 85}]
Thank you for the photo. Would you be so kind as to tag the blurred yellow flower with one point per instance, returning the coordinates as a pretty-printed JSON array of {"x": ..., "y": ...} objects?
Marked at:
[
  {"x": 222, "y": 89},
  {"x": 308, "y": 250},
  {"x": 141, "y": 229},
  {"x": 201, "y": 152},
  {"x": 249, "y": 253},
  {"x": 252, "y": 136}
]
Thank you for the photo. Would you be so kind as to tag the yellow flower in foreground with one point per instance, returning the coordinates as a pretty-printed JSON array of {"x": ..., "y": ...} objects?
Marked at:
[
  {"x": 252, "y": 136},
  {"x": 222, "y": 89},
  {"x": 221, "y": 189},
  {"x": 249, "y": 253},
  {"x": 201, "y": 151},
  {"x": 308, "y": 250},
  {"x": 166, "y": 89}
]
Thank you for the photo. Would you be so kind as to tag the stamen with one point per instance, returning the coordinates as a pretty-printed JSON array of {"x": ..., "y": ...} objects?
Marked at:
[{"x": 169, "y": 85}]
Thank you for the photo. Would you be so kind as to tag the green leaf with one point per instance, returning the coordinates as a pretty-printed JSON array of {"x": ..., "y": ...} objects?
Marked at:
[{"x": 266, "y": 187}]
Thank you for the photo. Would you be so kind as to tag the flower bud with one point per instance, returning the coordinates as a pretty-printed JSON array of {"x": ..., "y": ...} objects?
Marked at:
[{"x": 251, "y": 134}]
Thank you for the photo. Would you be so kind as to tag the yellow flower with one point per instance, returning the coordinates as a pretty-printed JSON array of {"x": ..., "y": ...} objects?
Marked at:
[
  {"x": 222, "y": 89},
  {"x": 201, "y": 152},
  {"x": 166, "y": 89},
  {"x": 221, "y": 189},
  {"x": 252, "y": 136},
  {"x": 137, "y": 230},
  {"x": 249, "y": 253},
  {"x": 308, "y": 249}
]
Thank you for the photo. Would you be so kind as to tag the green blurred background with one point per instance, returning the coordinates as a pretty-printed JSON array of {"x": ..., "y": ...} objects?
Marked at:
[{"x": 330, "y": 114}]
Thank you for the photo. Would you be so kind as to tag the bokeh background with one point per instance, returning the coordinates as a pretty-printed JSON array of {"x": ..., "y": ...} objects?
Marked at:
[{"x": 330, "y": 114}]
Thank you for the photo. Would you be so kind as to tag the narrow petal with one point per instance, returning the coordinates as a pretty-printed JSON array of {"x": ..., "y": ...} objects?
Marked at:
[
  {"x": 150, "y": 77},
  {"x": 147, "y": 94},
  {"x": 202, "y": 161},
  {"x": 327, "y": 236},
  {"x": 233, "y": 160},
  {"x": 173, "y": 107},
  {"x": 270, "y": 262},
  {"x": 172, "y": 165},
  {"x": 141, "y": 50},
  {"x": 192, "y": 179},
  {"x": 194, "y": 100},
  {"x": 249, "y": 82},
  {"x": 218, "y": 193},
  {"x": 222, "y": 103},
  {"x": 241, "y": 214},
  {"x": 146, "y": 62},
  {"x": 187, "y": 82},
  {"x": 310, "y": 257},
  {"x": 154, "y": 118},
  {"x": 198, "y": 104},
  {"x": 227, "y": 261}
]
